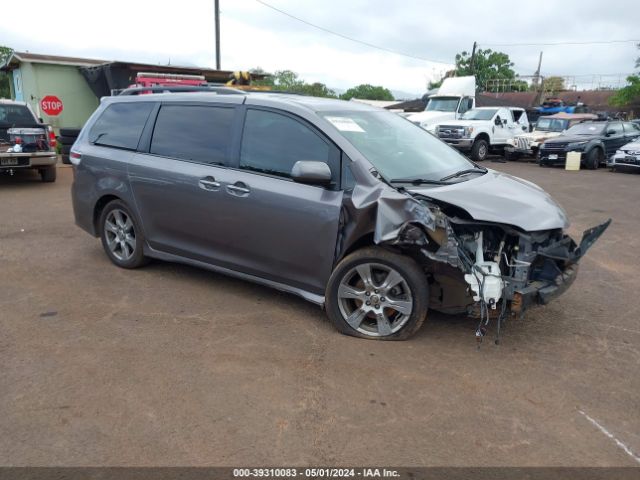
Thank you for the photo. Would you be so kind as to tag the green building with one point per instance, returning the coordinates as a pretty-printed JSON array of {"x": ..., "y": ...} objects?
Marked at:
[{"x": 33, "y": 77}]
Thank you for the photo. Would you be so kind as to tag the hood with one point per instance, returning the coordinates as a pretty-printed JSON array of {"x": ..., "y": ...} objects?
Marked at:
[
  {"x": 631, "y": 147},
  {"x": 573, "y": 138},
  {"x": 431, "y": 117},
  {"x": 466, "y": 123},
  {"x": 538, "y": 135},
  {"x": 501, "y": 198}
]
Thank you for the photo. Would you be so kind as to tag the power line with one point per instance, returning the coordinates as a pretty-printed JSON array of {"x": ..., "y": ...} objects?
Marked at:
[
  {"x": 594, "y": 42},
  {"x": 346, "y": 37}
]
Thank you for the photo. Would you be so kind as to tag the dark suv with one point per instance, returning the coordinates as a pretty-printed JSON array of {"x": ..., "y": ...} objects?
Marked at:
[
  {"x": 351, "y": 207},
  {"x": 596, "y": 141}
]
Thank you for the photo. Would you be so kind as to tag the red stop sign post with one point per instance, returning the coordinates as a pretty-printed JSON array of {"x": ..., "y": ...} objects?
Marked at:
[{"x": 51, "y": 105}]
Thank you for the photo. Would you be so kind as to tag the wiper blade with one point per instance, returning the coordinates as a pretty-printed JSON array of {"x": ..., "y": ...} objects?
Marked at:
[
  {"x": 417, "y": 181},
  {"x": 464, "y": 172}
]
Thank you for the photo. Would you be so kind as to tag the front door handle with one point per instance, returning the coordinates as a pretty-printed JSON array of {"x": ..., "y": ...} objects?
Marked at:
[
  {"x": 208, "y": 183},
  {"x": 239, "y": 189}
]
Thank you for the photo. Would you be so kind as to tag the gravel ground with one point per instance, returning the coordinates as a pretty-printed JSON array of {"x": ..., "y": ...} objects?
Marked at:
[{"x": 170, "y": 365}]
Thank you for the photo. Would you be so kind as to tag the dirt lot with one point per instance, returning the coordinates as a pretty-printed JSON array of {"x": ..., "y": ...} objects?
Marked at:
[{"x": 170, "y": 365}]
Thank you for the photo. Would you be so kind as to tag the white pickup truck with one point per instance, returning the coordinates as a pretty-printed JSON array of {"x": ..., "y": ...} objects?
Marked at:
[
  {"x": 483, "y": 130},
  {"x": 25, "y": 142}
]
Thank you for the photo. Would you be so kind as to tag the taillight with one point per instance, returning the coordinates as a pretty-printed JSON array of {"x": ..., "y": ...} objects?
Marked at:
[
  {"x": 52, "y": 138},
  {"x": 18, "y": 140},
  {"x": 75, "y": 158}
]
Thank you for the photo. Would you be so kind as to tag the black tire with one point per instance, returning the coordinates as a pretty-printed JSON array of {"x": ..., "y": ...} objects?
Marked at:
[
  {"x": 479, "y": 150},
  {"x": 48, "y": 174},
  {"x": 66, "y": 149},
  {"x": 108, "y": 237},
  {"x": 64, "y": 140},
  {"x": 65, "y": 159},
  {"x": 70, "y": 132},
  {"x": 511, "y": 155},
  {"x": 412, "y": 290},
  {"x": 594, "y": 158}
]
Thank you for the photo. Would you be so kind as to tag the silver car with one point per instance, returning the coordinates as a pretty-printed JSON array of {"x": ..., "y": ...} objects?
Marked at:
[{"x": 351, "y": 207}]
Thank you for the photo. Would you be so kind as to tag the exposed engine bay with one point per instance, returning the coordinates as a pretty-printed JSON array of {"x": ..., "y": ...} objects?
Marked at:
[
  {"x": 491, "y": 270},
  {"x": 486, "y": 269}
]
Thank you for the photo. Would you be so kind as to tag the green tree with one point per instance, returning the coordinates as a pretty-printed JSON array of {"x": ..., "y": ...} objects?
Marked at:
[
  {"x": 289, "y": 81},
  {"x": 488, "y": 65},
  {"x": 553, "y": 84},
  {"x": 5, "y": 90},
  {"x": 367, "y": 92},
  {"x": 630, "y": 93}
]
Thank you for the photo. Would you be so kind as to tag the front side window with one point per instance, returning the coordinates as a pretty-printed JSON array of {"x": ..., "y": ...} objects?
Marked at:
[
  {"x": 197, "y": 133},
  {"x": 121, "y": 125},
  {"x": 630, "y": 127},
  {"x": 396, "y": 147},
  {"x": 272, "y": 143},
  {"x": 616, "y": 127}
]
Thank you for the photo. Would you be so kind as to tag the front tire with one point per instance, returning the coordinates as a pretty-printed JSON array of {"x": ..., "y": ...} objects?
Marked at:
[
  {"x": 594, "y": 158},
  {"x": 479, "y": 150},
  {"x": 378, "y": 295},
  {"x": 121, "y": 235}
]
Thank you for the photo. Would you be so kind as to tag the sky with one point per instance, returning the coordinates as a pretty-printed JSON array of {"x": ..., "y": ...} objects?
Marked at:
[{"x": 254, "y": 35}]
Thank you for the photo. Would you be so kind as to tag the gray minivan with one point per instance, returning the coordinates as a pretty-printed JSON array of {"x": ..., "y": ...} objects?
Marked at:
[{"x": 351, "y": 207}]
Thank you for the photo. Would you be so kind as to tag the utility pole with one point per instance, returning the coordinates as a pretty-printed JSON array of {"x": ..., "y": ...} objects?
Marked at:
[
  {"x": 473, "y": 59},
  {"x": 539, "y": 83},
  {"x": 217, "y": 17}
]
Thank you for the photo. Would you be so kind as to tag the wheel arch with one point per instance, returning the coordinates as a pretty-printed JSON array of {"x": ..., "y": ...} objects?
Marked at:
[{"x": 102, "y": 202}]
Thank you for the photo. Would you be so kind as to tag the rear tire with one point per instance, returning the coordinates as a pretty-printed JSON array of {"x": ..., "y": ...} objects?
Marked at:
[
  {"x": 395, "y": 287},
  {"x": 48, "y": 174},
  {"x": 479, "y": 150},
  {"x": 121, "y": 236}
]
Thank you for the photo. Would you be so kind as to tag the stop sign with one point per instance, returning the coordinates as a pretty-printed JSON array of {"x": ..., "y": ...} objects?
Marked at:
[{"x": 51, "y": 105}]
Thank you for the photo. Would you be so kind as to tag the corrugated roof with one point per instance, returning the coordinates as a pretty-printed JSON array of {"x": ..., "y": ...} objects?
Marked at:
[{"x": 54, "y": 59}]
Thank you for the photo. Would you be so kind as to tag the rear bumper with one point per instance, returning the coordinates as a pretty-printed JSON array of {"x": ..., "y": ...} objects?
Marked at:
[{"x": 12, "y": 161}]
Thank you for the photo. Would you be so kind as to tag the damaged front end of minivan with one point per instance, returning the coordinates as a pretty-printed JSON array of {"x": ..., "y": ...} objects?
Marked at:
[{"x": 486, "y": 269}]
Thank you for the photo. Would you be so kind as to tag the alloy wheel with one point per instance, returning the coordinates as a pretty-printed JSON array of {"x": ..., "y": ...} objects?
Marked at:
[
  {"x": 374, "y": 299},
  {"x": 120, "y": 234}
]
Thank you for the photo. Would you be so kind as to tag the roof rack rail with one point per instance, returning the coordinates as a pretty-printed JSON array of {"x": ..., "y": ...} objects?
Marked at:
[{"x": 181, "y": 88}]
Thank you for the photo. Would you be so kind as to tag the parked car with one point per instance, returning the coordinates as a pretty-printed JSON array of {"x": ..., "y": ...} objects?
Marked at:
[
  {"x": 596, "y": 141},
  {"x": 551, "y": 126},
  {"x": 349, "y": 206},
  {"x": 483, "y": 130},
  {"x": 627, "y": 157},
  {"x": 25, "y": 141}
]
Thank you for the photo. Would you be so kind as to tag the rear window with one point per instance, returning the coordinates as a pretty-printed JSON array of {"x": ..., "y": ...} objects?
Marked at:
[
  {"x": 16, "y": 116},
  {"x": 196, "y": 133},
  {"x": 121, "y": 125}
]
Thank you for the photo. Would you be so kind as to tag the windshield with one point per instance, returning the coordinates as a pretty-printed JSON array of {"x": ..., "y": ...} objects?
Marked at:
[
  {"x": 16, "y": 115},
  {"x": 396, "y": 147},
  {"x": 551, "y": 124},
  {"x": 443, "y": 104},
  {"x": 586, "y": 129},
  {"x": 477, "y": 114}
]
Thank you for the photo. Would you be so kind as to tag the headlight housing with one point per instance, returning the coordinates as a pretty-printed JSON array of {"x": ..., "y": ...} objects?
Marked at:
[
  {"x": 576, "y": 146},
  {"x": 468, "y": 131}
]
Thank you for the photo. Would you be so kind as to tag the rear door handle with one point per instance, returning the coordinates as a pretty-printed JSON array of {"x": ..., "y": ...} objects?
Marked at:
[
  {"x": 239, "y": 189},
  {"x": 208, "y": 183}
]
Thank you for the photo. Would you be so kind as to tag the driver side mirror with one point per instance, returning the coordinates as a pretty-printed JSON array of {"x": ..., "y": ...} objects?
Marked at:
[
  {"x": 497, "y": 122},
  {"x": 610, "y": 132},
  {"x": 311, "y": 172}
]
